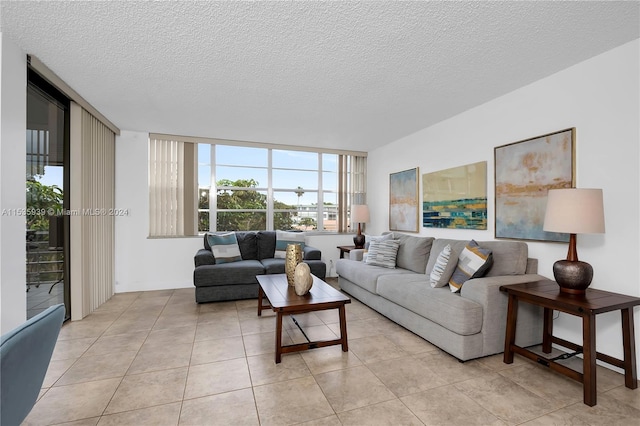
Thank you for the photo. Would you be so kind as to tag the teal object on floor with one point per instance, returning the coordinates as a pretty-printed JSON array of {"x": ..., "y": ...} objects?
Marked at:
[{"x": 25, "y": 353}]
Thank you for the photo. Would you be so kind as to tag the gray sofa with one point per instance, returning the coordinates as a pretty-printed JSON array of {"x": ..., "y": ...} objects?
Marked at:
[
  {"x": 469, "y": 324},
  {"x": 237, "y": 280}
]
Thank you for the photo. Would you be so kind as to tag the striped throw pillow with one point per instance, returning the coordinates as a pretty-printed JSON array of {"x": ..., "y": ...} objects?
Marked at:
[
  {"x": 224, "y": 247},
  {"x": 383, "y": 253},
  {"x": 436, "y": 278},
  {"x": 473, "y": 262},
  {"x": 284, "y": 238}
]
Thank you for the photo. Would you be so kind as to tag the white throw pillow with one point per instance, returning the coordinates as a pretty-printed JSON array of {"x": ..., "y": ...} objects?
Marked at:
[{"x": 437, "y": 277}]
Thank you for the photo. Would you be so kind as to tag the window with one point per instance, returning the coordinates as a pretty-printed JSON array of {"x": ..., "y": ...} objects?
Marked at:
[{"x": 266, "y": 187}]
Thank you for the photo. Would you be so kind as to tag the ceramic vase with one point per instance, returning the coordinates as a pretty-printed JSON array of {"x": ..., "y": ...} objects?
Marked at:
[
  {"x": 293, "y": 257},
  {"x": 303, "y": 279}
]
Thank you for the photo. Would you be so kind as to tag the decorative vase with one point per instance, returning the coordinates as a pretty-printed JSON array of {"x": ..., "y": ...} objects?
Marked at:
[
  {"x": 303, "y": 279},
  {"x": 293, "y": 257}
]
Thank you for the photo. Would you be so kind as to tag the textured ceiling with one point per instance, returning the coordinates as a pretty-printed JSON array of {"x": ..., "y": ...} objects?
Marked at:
[{"x": 349, "y": 75}]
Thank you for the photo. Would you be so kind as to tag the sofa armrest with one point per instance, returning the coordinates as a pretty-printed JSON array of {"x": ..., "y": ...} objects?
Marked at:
[
  {"x": 356, "y": 254},
  {"x": 312, "y": 253},
  {"x": 486, "y": 291},
  {"x": 204, "y": 257}
]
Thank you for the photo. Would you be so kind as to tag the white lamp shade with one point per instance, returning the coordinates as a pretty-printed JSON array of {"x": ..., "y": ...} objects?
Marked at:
[
  {"x": 359, "y": 213},
  {"x": 574, "y": 211}
]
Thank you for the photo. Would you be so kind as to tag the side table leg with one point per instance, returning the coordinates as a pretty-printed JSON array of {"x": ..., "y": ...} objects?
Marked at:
[
  {"x": 629, "y": 345},
  {"x": 547, "y": 330},
  {"x": 589, "y": 362},
  {"x": 510, "y": 334},
  {"x": 278, "y": 337}
]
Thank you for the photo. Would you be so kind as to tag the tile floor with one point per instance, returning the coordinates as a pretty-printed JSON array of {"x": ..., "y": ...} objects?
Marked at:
[{"x": 158, "y": 358}]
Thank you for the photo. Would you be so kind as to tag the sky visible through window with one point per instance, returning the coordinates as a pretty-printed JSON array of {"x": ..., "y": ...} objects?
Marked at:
[{"x": 251, "y": 163}]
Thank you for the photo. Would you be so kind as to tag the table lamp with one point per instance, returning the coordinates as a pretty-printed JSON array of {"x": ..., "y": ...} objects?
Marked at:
[
  {"x": 359, "y": 214},
  {"x": 574, "y": 211}
]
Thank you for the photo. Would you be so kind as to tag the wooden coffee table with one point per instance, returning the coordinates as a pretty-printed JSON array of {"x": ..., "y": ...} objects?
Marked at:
[{"x": 284, "y": 301}]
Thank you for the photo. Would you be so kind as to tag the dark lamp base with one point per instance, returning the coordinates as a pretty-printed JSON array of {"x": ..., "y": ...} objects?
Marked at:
[
  {"x": 358, "y": 241},
  {"x": 573, "y": 277}
]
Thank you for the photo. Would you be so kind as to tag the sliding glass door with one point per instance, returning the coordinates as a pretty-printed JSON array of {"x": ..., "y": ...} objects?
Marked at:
[{"x": 47, "y": 184}]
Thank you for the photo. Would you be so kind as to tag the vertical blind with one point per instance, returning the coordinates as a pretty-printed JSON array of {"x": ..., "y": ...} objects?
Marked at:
[{"x": 172, "y": 188}]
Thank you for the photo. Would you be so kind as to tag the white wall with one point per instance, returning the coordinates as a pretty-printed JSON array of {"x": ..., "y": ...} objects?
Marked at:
[
  {"x": 13, "y": 122},
  {"x": 600, "y": 98},
  {"x": 142, "y": 263}
]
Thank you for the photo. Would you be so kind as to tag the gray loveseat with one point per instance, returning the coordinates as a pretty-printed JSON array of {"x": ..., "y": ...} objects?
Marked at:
[
  {"x": 237, "y": 280},
  {"x": 469, "y": 324}
]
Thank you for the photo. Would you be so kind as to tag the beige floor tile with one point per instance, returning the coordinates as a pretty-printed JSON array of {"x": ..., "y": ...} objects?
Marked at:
[
  {"x": 290, "y": 402},
  {"x": 625, "y": 395},
  {"x": 407, "y": 375},
  {"x": 330, "y": 358},
  {"x": 181, "y": 307},
  {"x": 545, "y": 383},
  {"x": 410, "y": 343},
  {"x": 156, "y": 294},
  {"x": 130, "y": 325},
  {"x": 93, "y": 421},
  {"x": 148, "y": 390},
  {"x": 245, "y": 304},
  {"x": 118, "y": 303},
  {"x": 56, "y": 370},
  {"x": 218, "y": 307},
  {"x": 353, "y": 388},
  {"x": 563, "y": 416},
  {"x": 325, "y": 421},
  {"x": 608, "y": 411},
  {"x": 151, "y": 358},
  {"x": 252, "y": 312},
  {"x": 117, "y": 343},
  {"x": 316, "y": 333},
  {"x": 452, "y": 370},
  {"x": 375, "y": 348},
  {"x": 329, "y": 316},
  {"x": 263, "y": 343},
  {"x": 496, "y": 363},
  {"x": 226, "y": 315},
  {"x": 505, "y": 399},
  {"x": 171, "y": 320},
  {"x": 228, "y": 327},
  {"x": 82, "y": 330},
  {"x": 257, "y": 325},
  {"x": 356, "y": 329},
  {"x": 391, "y": 412},
  {"x": 90, "y": 368},
  {"x": 217, "y": 377},
  {"x": 208, "y": 351},
  {"x": 171, "y": 336},
  {"x": 71, "y": 349},
  {"x": 167, "y": 414},
  {"x": 230, "y": 408},
  {"x": 264, "y": 370},
  {"x": 73, "y": 402},
  {"x": 447, "y": 406}
]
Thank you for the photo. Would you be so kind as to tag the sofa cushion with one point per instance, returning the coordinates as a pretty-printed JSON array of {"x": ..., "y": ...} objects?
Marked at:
[
  {"x": 363, "y": 275},
  {"x": 284, "y": 238},
  {"x": 266, "y": 244},
  {"x": 413, "y": 252},
  {"x": 248, "y": 243},
  {"x": 473, "y": 262},
  {"x": 383, "y": 253},
  {"x": 412, "y": 291},
  {"x": 509, "y": 257},
  {"x": 273, "y": 266},
  {"x": 224, "y": 247},
  {"x": 241, "y": 272},
  {"x": 437, "y": 278}
]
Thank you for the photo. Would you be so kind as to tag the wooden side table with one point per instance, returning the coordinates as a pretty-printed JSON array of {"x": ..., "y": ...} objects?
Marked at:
[
  {"x": 345, "y": 249},
  {"x": 547, "y": 294}
]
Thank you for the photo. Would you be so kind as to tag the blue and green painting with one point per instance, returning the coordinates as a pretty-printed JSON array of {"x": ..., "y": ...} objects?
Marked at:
[{"x": 455, "y": 198}]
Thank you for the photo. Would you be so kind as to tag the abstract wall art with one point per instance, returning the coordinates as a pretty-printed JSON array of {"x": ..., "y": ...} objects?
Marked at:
[
  {"x": 455, "y": 198},
  {"x": 524, "y": 172},
  {"x": 404, "y": 201}
]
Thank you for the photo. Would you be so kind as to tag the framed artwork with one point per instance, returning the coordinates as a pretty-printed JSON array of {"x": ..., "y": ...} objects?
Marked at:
[
  {"x": 403, "y": 201},
  {"x": 524, "y": 172},
  {"x": 455, "y": 198}
]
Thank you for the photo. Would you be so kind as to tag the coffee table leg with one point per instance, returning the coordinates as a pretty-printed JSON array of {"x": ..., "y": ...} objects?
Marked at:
[
  {"x": 343, "y": 328},
  {"x": 260, "y": 296},
  {"x": 278, "y": 337}
]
